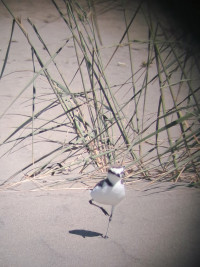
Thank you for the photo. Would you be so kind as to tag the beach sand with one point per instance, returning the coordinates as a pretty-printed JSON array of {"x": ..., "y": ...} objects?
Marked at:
[{"x": 155, "y": 225}]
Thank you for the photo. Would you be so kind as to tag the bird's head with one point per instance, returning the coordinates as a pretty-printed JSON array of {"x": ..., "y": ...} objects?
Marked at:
[{"x": 115, "y": 173}]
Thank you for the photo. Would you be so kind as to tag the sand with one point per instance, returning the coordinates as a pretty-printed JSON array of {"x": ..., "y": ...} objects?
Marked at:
[{"x": 154, "y": 226}]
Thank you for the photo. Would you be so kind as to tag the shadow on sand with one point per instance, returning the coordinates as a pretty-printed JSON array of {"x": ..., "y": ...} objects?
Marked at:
[
  {"x": 85, "y": 233},
  {"x": 162, "y": 187}
]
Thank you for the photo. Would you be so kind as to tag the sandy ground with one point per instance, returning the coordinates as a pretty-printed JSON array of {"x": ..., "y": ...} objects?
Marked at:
[{"x": 155, "y": 225}]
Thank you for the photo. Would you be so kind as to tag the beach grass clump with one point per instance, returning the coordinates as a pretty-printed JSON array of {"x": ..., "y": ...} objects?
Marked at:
[{"x": 146, "y": 119}]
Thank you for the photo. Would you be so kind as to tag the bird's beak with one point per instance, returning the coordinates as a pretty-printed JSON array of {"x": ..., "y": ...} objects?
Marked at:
[{"x": 122, "y": 175}]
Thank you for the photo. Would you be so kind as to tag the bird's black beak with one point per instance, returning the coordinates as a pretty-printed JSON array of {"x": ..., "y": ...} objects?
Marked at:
[{"x": 122, "y": 175}]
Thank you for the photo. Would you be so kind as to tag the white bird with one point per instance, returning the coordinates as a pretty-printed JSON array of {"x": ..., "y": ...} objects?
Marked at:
[{"x": 109, "y": 191}]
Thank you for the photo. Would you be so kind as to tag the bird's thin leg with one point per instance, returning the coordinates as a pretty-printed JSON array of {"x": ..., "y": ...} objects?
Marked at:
[
  {"x": 110, "y": 218},
  {"x": 104, "y": 211}
]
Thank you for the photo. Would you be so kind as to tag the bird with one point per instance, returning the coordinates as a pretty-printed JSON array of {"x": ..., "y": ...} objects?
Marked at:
[{"x": 110, "y": 191}]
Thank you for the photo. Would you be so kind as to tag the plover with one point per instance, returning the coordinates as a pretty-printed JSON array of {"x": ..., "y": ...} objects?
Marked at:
[{"x": 109, "y": 191}]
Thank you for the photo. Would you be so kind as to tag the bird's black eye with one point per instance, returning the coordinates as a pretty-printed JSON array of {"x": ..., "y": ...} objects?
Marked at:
[
  {"x": 120, "y": 175},
  {"x": 117, "y": 174},
  {"x": 109, "y": 171}
]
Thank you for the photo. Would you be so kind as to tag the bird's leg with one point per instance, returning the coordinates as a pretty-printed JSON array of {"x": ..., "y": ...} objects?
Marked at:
[
  {"x": 110, "y": 218},
  {"x": 104, "y": 211}
]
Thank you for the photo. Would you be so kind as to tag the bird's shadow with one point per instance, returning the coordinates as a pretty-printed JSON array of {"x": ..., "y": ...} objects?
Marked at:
[{"x": 85, "y": 233}]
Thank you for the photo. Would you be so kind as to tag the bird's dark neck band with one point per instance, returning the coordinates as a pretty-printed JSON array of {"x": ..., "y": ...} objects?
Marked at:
[{"x": 108, "y": 182}]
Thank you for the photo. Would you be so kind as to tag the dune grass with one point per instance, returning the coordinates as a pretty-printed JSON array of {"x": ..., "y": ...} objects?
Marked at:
[{"x": 108, "y": 123}]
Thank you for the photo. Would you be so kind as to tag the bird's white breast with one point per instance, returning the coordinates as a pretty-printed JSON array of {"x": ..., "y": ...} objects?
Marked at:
[{"x": 109, "y": 195}]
